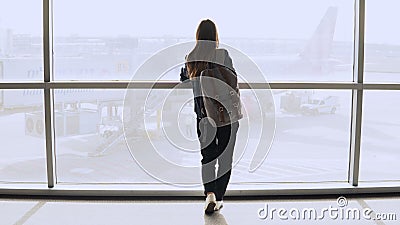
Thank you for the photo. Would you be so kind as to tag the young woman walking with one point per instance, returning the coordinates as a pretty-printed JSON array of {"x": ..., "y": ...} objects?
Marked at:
[{"x": 217, "y": 143}]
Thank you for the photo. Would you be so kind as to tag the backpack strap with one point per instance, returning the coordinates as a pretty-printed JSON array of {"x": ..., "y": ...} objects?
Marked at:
[{"x": 220, "y": 57}]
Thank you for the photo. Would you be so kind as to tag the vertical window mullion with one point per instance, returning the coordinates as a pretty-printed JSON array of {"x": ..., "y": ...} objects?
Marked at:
[
  {"x": 357, "y": 94},
  {"x": 48, "y": 92}
]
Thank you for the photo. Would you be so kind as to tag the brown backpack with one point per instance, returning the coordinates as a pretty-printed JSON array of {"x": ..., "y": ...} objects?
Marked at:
[{"x": 221, "y": 96}]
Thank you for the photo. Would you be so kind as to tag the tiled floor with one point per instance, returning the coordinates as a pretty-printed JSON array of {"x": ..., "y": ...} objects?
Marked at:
[{"x": 176, "y": 212}]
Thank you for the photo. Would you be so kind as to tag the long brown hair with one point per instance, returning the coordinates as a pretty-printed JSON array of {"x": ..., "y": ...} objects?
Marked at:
[{"x": 206, "y": 43}]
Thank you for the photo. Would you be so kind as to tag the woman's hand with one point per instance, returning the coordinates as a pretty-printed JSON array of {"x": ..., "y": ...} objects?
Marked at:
[{"x": 184, "y": 75}]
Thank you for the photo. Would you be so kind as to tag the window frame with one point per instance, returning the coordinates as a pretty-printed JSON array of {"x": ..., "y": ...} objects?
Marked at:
[{"x": 357, "y": 87}]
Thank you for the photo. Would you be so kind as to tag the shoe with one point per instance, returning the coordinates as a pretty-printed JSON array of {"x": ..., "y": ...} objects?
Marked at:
[
  {"x": 218, "y": 205},
  {"x": 210, "y": 204}
]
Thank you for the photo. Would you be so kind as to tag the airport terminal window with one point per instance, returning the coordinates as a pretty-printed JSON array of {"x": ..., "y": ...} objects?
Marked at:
[
  {"x": 21, "y": 54},
  {"x": 382, "y": 47},
  {"x": 380, "y": 136},
  {"x": 88, "y": 129},
  {"x": 288, "y": 41},
  {"x": 311, "y": 141},
  {"x": 22, "y": 151},
  {"x": 115, "y": 139},
  {"x": 93, "y": 148}
]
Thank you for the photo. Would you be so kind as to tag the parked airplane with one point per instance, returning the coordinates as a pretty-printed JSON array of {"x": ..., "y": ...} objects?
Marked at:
[{"x": 314, "y": 58}]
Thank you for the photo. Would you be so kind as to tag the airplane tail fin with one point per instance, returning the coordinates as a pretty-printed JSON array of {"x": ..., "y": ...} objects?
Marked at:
[{"x": 320, "y": 44}]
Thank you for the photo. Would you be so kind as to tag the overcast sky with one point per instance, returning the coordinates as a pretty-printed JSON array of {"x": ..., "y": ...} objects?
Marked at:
[{"x": 267, "y": 18}]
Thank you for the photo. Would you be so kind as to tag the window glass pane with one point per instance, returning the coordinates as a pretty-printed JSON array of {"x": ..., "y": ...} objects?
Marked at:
[
  {"x": 89, "y": 147},
  {"x": 21, "y": 46},
  {"x": 22, "y": 153},
  {"x": 382, "y": 48},
  {"x": 380, "y": 139},
  {"x": 311, "y": 138},
  {"x": 288, "y": 41},
  {"x": 311, "y": 142}
]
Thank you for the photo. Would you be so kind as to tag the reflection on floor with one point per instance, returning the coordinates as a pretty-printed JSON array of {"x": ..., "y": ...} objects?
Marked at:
[{"x": 175, "y": 212}]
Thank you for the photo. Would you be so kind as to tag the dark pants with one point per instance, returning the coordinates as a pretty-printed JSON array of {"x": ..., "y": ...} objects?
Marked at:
[{"x": 217, "y": 145}]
